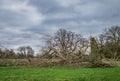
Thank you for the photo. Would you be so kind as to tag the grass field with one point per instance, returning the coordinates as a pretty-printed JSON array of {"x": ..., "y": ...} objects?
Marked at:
[{"x": 59, "y": 74}]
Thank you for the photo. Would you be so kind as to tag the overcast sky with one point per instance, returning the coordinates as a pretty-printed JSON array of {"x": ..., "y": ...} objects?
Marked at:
[{"x": 24, "y": 22}]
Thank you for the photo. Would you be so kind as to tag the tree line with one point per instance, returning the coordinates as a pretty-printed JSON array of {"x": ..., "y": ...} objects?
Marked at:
[
  {"x": 22, "y": 53},
  {"x": 69, "y": 46}
]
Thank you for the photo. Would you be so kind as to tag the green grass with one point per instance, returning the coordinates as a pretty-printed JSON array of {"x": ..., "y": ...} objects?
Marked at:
[{"x": 59, "y": 74}]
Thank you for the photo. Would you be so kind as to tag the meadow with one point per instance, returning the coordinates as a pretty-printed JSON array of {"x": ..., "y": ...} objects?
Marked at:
[{"x": 59, "y": 74}]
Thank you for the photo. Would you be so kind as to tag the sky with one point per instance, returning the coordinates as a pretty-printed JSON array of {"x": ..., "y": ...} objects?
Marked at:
[{"x": 25, "y": 22}]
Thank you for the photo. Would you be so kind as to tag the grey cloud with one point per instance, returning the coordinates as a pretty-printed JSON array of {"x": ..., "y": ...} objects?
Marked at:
[
  {"x": 26, "y": 24},
  {"x": 16, "y": 13}
]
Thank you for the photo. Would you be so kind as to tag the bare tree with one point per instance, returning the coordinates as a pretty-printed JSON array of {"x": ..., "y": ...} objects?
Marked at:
[
  {"x": 110, "y": 41},
  {"x": 30, "y": 52},
  {"x": 65, "y": 45},
  {"x": 25, "y": 52},
  {"x": 7, "y": 53}
]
